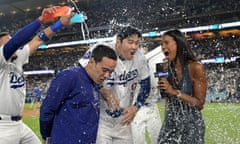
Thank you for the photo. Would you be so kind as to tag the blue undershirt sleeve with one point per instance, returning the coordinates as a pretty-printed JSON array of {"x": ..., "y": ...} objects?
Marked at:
[
  {"x": 145, "y": 86},
  {"x": 20, "y": 38}
]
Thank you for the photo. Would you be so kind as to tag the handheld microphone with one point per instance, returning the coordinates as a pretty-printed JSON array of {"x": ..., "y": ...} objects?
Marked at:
[{"x": 161, "y": 72}]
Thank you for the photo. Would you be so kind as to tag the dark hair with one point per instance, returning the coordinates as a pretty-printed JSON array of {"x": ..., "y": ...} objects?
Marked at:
[
  {"x": 3, "y": 34},
  {"x": 127, "y": 32},
  {"x": 103, "y": 51},
  {"x": 184, "y": 52}
]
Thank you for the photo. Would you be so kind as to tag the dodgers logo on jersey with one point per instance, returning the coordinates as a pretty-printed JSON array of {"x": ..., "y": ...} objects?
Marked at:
[
  {"x": 123, "y": 78},
  {"x": 127, "y": 76},
  {"x": 16, "y": 81}
]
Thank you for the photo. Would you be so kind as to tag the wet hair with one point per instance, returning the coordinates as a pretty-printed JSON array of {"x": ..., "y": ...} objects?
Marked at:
[
  {"x": 128, "y": 31},
  {"x": 184, "y": 52},
  {"x": 2, "y": 34},
  {"x": 103, "y": 51}
]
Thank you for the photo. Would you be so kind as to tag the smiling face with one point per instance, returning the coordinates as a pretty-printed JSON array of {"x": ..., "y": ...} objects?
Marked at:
[
  {"x": 128, "y": 46},
  {"x": 169, "y": 47}
]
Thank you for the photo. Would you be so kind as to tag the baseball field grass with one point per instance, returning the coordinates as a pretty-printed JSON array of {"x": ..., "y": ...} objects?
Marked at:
[{"x": 222, "y": 122}]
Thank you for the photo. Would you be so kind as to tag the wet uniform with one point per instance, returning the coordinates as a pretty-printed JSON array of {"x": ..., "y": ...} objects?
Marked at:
[
  {"x": 122, "y": 83},
  {"x": 148, "y": 116},
  {"x": 12, "y": 98}
]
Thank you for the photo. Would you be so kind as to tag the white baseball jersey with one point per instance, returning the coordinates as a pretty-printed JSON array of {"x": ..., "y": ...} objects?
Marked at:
[
  {"x": 12, "y": 84},
  {"x": 123, "y": 81},
  {"x": 126, "y": 76}
]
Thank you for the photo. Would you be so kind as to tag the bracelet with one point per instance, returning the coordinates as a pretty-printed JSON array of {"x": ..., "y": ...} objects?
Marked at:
[
  {"x": 179, "y": 94},
  {"x": 43, "y": 36},
  {"x": 57, "y": 25}
]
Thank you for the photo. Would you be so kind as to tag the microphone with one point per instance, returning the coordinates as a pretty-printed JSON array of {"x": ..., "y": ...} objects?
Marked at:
[{"x": 161, "y": 72}]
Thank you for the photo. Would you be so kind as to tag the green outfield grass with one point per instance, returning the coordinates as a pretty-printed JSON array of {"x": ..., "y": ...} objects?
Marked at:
[
  {"x": 32, "y": 121},
  {"x": 222, "y": 122}
]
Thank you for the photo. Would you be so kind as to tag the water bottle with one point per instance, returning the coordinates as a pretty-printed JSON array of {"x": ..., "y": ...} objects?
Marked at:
[
  {"x": 78, "y": 18},
  {"x": 60, "y": 11}
]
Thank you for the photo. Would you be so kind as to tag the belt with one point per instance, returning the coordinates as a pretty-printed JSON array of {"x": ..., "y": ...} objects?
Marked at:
[{"x": 8, "y": 117}]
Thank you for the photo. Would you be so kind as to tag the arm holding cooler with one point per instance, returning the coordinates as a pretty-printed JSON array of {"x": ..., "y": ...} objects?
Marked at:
[{"x": 20, "y": 38}]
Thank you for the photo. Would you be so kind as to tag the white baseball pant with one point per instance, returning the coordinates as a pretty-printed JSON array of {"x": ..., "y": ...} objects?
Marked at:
[
  {"x": 16, "y": 132},
  {"x": 147, "y": 118}
]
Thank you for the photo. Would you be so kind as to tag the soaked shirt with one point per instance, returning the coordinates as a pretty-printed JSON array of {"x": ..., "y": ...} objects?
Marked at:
[
  {"x": 70, "y": 112},
  {"x": 127, "y": 74},
  {"x": 183, "y": 123},
  {"x": 124, "y": 79}
]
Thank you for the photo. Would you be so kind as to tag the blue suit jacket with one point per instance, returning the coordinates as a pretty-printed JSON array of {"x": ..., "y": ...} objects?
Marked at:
[{"x": 70, "y": 112}]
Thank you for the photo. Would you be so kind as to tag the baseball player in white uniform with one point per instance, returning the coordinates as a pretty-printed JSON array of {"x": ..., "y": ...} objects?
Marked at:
[
  {"x": 117, "y": 111},
  {"x": 147, "y": 119},
  {"x": 14, "y": 52},
  {"x": 148, "y": 116}
]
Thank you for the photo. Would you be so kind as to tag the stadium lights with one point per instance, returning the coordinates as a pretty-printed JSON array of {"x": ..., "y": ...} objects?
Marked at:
[
  {"x": 44, "y": 46},
  {"x": 219, "y": 60},
  {"x": 35, "y": 72},
  {"x": 149, "y": 34}
]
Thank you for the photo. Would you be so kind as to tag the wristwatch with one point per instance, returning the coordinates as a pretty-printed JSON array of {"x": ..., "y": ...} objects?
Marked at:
[{"x": 179, "y": 94}]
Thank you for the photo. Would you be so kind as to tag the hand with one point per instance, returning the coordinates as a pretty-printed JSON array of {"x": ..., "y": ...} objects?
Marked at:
[
  {"x": 163, "y": 84},
  {"x": 128, "y": 115},
  {"x": 66, "y": 19},
  {"x": 47, "y": 13}
]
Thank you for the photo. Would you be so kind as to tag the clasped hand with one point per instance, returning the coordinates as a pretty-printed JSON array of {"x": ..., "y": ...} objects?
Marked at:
[
  {"x": 128, "y": 112},
  {"x": 163, "y": 84}
]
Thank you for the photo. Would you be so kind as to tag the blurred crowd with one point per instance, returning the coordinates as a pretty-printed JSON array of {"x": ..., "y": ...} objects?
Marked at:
[
  {"x": 104, "y": 17},
  {"x": 223, "y": 78}
]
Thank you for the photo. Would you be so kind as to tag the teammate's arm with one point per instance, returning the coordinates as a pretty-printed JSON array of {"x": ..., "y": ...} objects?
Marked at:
[
  {"x": 111, "y": 99},
  {"x": 47, "y": 33},
  {"x": 25, "y": 34},
  {"x": 145, "y": 86},
  {"x": 130, "y": 112}
]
